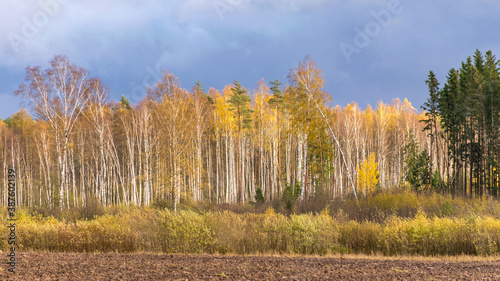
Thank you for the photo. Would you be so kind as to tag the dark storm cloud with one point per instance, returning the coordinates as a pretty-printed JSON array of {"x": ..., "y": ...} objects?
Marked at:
[{"x": 129, "y": 43}]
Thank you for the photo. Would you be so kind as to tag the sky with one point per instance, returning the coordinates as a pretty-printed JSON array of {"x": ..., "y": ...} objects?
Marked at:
[{"x": 370, "y": 51}]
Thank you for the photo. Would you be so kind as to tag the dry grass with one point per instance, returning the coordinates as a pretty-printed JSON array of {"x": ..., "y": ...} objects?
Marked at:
[{"x": 462, "y": 230}]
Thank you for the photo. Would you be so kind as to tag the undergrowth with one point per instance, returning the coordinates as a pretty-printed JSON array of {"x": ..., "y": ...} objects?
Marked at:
[{"x": 398, "y": 223}]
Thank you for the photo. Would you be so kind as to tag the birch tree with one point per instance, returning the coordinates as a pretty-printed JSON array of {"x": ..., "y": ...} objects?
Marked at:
[{"x": 57, "y": 95}]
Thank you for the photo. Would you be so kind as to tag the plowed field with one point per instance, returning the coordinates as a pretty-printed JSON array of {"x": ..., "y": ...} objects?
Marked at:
[{"x": 77, "y": 266}]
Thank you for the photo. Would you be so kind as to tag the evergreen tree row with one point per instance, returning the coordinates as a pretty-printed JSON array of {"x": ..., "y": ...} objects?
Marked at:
[{"x": 463, "y": 122}]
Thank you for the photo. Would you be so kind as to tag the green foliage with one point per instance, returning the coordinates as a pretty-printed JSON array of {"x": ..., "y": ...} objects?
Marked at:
[
  {"x": 435, "y": 180},
  {"x": 468, "y": 108},
  {"x": 125, "y": 103},
  {"x": 8, "y": 121},
  {"x": 199, "y": 89},
  {"x": 277, "y": 100},
  {"x": 259, "y": 196},
  {"x": 240, "y": 102},
  {"x": 291, "y": 194},
  {"x": 431, "y": 106},
  {"x": 417, "y": 168},
  {"x": 447, "y": 208}
]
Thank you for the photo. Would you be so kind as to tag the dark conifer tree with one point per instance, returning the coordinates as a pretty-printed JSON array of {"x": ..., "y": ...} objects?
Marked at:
[{"x": 431, "y": 107}]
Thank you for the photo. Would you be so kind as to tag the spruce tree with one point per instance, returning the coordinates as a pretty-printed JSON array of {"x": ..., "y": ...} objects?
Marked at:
[
  {"x": 240, "y": 101},
  {"x": 277, "y": 99},
  {"x": 431, "y": 107}
]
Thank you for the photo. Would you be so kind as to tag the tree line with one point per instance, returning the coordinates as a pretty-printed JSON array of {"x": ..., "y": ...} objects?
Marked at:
[
  {"x": 463, "y": 122},
  {"x": 233, "y": 145}
]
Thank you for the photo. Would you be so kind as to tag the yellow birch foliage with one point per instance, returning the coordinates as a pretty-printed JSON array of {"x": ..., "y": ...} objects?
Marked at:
[
  {"x": 368, "y": 175},
  {"x": 224, "y": 119}
]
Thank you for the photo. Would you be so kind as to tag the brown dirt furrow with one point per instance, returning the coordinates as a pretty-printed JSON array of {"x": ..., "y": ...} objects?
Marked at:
[{"x": 78, "y": 266}]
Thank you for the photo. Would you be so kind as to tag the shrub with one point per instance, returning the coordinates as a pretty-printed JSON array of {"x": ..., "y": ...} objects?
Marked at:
[
  {"x": 360, "y": 237},
  {"x": 183, "y": 232},
  {"x": 130, "y": 229},
  {"x": 274, "y": 227},
  {"x": 259, "y": 196}
]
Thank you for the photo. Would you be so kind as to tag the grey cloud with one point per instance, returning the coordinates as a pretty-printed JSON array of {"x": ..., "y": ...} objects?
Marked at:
[{"x": 127, "y": 42}]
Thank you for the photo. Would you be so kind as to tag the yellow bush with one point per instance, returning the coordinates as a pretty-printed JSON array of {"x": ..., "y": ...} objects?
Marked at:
[
  {"x": 301, "y": 232},
  {"x": 184, "y": 232},
  {"x": 487, "y": 236},
  {"x": 393, "y": 239},
  {"x": 144, "y": 229},
  {"x": 360, "y": 237},
  {"x": 274, "y": 228},
  {"x": 327, "y": 237},
  {"x": 254, "y": 239}
]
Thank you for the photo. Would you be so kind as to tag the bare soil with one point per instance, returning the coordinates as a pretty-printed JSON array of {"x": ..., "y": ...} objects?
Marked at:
[{"x": 81, "y": 266}]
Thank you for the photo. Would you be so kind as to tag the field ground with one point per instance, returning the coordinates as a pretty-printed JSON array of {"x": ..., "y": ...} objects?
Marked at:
[{"x": 78, "y": 266}]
